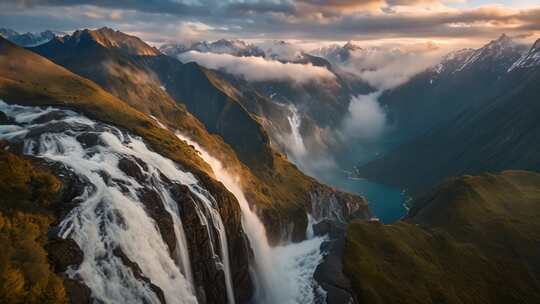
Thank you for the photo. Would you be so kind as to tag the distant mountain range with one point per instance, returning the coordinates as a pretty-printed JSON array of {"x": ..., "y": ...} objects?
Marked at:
[{"x": 29, "y": 39}]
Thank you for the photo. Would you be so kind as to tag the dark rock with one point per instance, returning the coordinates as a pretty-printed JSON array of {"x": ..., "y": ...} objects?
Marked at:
[
  {"x": 240, "y": 254},
  {"x": 64, "y": 253},
  {"x": 5, "y": 120},
  {"x": 77, "y": 292},
  {"x": 131, "y": 168},
  {"x": 208, "y": 278},
  {"x": 330, "y": 228},
  {"x": 54, "y": 115},
  {"x": 329, "y": 274},
  {"x": 70, "y": 192},
  {"x": 155, "y": 209},
  {"x": 137, "y": 272},
  {"x": 88, "y": 140},
  {"x": 55, "y": 127}
]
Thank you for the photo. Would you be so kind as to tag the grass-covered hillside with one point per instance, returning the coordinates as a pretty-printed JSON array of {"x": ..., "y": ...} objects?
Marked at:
[
  {"x": 26, "y": 194},
  {"x": 474, "y": 239}
]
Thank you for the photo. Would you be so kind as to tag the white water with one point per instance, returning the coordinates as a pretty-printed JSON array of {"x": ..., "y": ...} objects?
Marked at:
[
  {"x": 297, "y": 147},
  {"x": 283, "y": 274},
  {"x": 109, "y": 213}
]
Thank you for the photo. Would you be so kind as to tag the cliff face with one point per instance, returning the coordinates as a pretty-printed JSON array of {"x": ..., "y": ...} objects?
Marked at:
[
  {"x": 473, "y": 239},
  {"x": 32, "y": 80}
]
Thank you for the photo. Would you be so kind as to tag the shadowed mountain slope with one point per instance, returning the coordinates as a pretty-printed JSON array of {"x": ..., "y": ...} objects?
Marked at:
[{"x": 500, "y": 134}]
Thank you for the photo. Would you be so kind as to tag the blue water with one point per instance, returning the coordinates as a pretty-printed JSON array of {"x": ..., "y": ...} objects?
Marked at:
[{"x": 385, "y": 203}]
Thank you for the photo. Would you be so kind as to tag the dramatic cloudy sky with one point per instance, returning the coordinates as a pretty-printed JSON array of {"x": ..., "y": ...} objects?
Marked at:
[{"x": 446, "y": 21}]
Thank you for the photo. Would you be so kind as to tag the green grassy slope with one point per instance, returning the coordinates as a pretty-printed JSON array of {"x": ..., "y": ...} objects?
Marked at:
[{"x": 474, "y": 239}]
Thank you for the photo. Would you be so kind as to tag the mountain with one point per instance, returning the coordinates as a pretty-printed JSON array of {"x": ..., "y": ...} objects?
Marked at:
[
  {"x": 199, "y": 103},
  {"x": 6, "y": 33},
  {"x": 111, "y": 39},
  {"x": 530, "y": 59},
  {"x": 495, "y": 134},
  {"x": 121, "y": 165},
  {"x": 223, "y": 46},
  {"x": 337, "y": 53},
  {"x": 29, "y": 39},
  {"x": 30, "y": 80},
  {"x": 473, "y": 239},
  {"x": 440, "y": 94}
]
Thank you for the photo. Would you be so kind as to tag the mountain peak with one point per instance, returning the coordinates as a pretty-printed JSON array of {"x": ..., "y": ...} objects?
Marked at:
[
  {"x": 530, "y": 59},
  {"x": 6, "y": 32},
  {"x": 114, "y": 39},
  {"x": 351, "y": 46},
  {"x": 502, "y": 52},
  {"x": 502, "y": 42}
]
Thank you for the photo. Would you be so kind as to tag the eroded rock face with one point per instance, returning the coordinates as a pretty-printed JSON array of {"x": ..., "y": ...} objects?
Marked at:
[
  {"x": 63, "y": 253},
  {"x": 332, "y": 211},
  {"x": 341, "y": 207},
  {"x": 137, "y": 272},
  {"x": 240, "y": 254}
]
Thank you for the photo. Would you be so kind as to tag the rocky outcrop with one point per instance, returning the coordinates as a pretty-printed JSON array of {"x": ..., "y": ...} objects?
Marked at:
[
  {"x": 336, "y": 206},
  {"x": 137, "y": 272},
  {"x": 63, "y": 253},
  {"x": 332, "y": 211},
  {"x": 240, "y": 254}
]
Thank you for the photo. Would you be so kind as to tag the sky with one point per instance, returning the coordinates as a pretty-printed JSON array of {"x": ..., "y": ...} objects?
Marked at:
[{"x": 463, "y": 22}]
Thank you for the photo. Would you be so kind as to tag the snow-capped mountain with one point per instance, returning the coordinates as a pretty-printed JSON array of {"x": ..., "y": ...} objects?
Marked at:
[
  {"x": 502, "y": 52},
  {"x": 223, "y": 46},
  {"x": 530, "y": 59},
  {"x": 443, "y": 91},
  {"x": 452, "y": 61},
  {"x": 336, "y": 52},
  {"x": 29, "y": 39}
]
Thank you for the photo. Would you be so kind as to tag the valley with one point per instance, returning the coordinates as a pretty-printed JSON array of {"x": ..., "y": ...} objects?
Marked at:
[{"x": 269, "y": 152}]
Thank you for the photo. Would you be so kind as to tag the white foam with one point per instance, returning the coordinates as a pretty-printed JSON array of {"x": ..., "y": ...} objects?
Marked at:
[
  {"x": 110, "y": 214},
  {"x": 284, "y": 274}
]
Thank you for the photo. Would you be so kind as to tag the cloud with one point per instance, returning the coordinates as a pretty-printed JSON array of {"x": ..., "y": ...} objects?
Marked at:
[
  {"x": 259, "y": 69},
  {"x": 282, "y": 19},
  {"x": 386, "y": 68},
  {"x": 366, "y": 119}
]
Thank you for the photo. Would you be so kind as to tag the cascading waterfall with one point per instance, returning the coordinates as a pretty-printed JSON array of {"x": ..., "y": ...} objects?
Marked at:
[
  {"x": 298, "y": 148},
  {"x": 283, "y": 274},
  {"x": 110, "y": 213}
]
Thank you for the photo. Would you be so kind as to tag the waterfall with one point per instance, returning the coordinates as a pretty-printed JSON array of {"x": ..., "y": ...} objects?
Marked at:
[
  {"x": 283, "y": 274},
  {"x": 110, "y": 214},
  {"x": 297, "y": 147}
]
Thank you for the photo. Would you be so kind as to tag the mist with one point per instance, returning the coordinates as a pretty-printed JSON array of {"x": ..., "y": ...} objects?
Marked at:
[
  {"x": 259, "y": 69},
  {"x": 366, "y": 119},
  {"x": 388, "y": 68}
]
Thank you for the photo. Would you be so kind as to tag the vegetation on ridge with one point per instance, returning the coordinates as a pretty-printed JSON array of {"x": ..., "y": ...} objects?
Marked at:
[
  {"x": 25, "y": 273},
  {"x": 474, "y": 239}
]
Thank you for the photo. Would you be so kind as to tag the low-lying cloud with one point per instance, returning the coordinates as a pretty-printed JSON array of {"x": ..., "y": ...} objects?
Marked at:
[
  {"x": 366, "y": 119},
  {"x": 259, "y": 69},
  {"x": 388, "y": 68}
]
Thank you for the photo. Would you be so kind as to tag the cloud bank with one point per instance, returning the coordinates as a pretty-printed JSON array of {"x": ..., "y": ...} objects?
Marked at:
[
  {"x": 331, "y": 20},
  {"x": 388, "y": 68},
  {"x": 259, "y": 69},
  {"x": 366, "y": 119}
]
